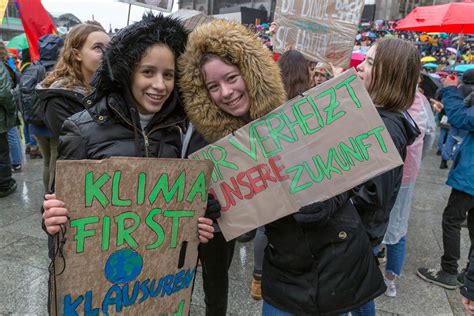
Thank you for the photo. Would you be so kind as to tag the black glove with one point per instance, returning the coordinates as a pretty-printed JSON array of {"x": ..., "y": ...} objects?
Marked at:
[
  {"x": 213, "y": 209},
  {"x": 313, "y": 213},
  {"x": 320, "y": 212}
]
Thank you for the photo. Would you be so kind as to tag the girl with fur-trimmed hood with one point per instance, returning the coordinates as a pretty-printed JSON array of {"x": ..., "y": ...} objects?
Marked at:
[
  {"x": 231, "y": 55},
  {"x": 134, "y": 111},
  {"x": 313, "y": 264}
]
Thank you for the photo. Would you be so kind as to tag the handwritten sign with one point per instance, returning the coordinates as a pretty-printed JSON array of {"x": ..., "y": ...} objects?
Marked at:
[
  {"x": 320, "y": 30},
  {"x": 161, "y": 5},
  {"x": 309, "y": 149},
  {"x": 130, "y": 246}
]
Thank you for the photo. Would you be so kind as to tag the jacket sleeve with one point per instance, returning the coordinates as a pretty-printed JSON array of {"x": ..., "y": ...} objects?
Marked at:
[
  {"x": 371, "y": 199},
  {"x": 459, "y": 116},
  {"x": 55, "y": 114},
  {"x": 6, "y": 97},
  {"x": 72, "y": 146}
]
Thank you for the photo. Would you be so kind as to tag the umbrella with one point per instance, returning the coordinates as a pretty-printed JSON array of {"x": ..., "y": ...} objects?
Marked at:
[
  {"x": 430, "y": 65},
  {"x": 452, "y": 50},
  {"x": 430, "y": 85},
  {"x": 424, "y": 38},
  {"x": 428, "y": 59},
  {"x": 357, "y": 58},
  {"x": 18, "y": 41},
  {"x": 463, "y": 68},
  {"x": 454, "y": 17}
]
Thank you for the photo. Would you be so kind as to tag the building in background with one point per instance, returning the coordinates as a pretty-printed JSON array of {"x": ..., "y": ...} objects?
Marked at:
[
  {"x": 250, "y": 10},
  {"x": 374, "y": 10},
  {"x": 11, "y": 24}
]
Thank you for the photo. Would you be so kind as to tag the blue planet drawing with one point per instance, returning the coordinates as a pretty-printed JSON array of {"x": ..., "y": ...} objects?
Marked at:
[{"x": 123, "y": 266}]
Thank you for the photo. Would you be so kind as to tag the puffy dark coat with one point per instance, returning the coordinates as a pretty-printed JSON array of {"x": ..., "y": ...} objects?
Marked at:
[
  {"x": 309, "y": 269},
  {"x": 108, "y": 129},
  {"x": 375, "y": 198},
  {"x": 60, "y": 102},
  {"x": 320, "y": 268}
]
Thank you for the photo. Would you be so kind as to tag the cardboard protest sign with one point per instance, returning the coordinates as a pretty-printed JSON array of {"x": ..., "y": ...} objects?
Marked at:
[
  {"x": 191, "y": 18},
  {"x": 320, "y": 30},
  {"x": 130, "y": 246},
  {"x": 309, "y": 149},
  {"x": 161, "y": 5}
]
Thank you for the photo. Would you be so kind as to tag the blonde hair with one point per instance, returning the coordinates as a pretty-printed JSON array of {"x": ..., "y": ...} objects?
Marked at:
[{"x": 68, "y": 67}]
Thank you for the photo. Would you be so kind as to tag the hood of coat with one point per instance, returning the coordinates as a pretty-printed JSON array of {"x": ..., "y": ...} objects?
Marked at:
[
  {"x": 468, "y": 77},
  {"x": 49, "y": 47},
  {"x": 60, "y": 88},
  {"x": 260, "y": 73}
]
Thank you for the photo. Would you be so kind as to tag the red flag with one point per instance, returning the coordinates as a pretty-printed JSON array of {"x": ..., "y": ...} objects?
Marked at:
[{"x": 36, "y": 23}]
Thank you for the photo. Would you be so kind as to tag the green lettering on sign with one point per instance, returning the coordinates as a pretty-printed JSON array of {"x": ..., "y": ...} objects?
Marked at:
[
  {"x": 124, "y": 233},
  {"x": 116, "y": 201},
  {"x": 199, "y": 187},
  {"x": 93, "y": 189},
  {"x": 81, "y": 232},
  {"x": 162, "y": 185},
  {"x": 160, "y": 234},
  {"x": 176, "y": 215}
]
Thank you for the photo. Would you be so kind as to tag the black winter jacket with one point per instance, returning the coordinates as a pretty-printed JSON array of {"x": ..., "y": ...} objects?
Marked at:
[
  {"x": 60, "y": 103},
  {"x": 108, "y": 128},
  {"x": 321, "y": 268},
  {"x": 375, "y": 198},
  {"x": 327, "y": 266}
]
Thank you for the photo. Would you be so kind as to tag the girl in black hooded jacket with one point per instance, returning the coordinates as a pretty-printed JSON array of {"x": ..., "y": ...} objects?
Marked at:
[
  {"x": 135, "y": 110},
  {"x": 390, "y": 74}
]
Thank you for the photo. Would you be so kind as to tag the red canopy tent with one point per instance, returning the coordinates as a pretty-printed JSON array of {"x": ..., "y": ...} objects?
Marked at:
[{"x": 456, "y": 17}]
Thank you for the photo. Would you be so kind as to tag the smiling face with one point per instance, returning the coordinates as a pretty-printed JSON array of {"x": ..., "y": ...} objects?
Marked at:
[
  {"x": 365, "y": 68},
  {"x": 153, "y": 79},
  {"x": 226, "y": 87}
]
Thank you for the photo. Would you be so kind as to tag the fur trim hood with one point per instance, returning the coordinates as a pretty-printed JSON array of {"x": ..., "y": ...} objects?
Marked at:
[
  {"x": 260, "y": 73},
  {"x": 127, "y": 47}
]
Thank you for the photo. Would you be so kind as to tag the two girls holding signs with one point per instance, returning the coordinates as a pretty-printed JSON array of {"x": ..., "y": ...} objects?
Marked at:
[{"x": 227, "y": 79}]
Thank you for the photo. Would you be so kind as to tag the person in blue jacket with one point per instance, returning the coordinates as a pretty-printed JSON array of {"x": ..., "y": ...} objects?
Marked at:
[{"x": 460, "y": 203}]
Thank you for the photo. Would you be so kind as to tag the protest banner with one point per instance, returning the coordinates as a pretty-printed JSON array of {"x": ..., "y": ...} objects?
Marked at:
[
  {"x": 130, "y": 246},
  {"x": 161, "y": 5},
  {"x": 191, "y": 18},
  {"x": 320, "y": 30},
  {"x": 311, "y": 148}
]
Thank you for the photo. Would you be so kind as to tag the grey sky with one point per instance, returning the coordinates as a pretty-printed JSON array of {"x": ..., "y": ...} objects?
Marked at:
[{"x": 105, "y": 11}]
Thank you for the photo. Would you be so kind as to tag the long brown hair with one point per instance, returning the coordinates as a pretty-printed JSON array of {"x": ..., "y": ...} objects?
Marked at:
[
  {"x": 294, "y": 73},
  {"x": 68, "y": 67},
  {"x": 395, "y": 74}
]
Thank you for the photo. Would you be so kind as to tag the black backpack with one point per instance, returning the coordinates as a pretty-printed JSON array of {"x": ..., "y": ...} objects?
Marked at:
[{"x": 32, "y": 107}]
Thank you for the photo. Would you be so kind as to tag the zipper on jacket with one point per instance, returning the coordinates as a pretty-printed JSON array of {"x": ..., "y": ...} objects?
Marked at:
[
  {"x": 145, "y": 137},
  {"x": 147, "y": 144}
]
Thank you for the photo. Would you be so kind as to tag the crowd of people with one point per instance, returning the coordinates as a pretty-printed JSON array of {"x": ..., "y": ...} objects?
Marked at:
[{"x": 156, "y": 90}]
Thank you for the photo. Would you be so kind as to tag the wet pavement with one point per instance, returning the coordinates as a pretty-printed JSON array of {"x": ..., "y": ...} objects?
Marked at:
[{"x": 24, "y": 261}]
